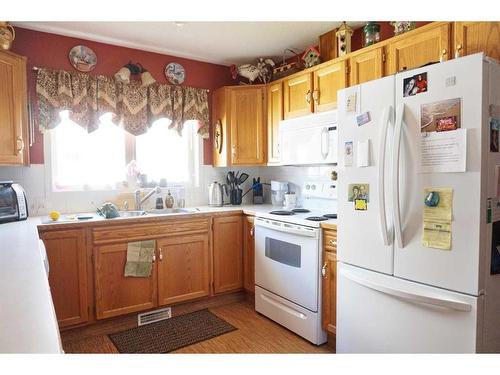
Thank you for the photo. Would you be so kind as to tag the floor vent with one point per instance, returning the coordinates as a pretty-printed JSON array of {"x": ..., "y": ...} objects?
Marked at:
[{"x": 154, "y": 316}]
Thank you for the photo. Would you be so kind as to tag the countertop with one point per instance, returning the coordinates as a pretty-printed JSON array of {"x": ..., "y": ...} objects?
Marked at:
[{"x": 28, "y": 322}]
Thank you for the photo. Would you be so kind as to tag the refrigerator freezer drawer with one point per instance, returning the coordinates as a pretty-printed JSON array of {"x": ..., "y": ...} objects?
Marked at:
[
  {"x": 377, "y": 313},
  {"x": 303, "y": 322}
]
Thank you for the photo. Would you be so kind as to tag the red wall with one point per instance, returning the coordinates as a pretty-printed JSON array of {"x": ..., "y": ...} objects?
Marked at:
[{"x": 51, "y": 51}]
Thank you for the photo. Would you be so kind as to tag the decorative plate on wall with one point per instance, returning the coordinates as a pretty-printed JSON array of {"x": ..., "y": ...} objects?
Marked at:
[
  {"x": 175, "y": 73},
  {"x": 82, "y": 58}
]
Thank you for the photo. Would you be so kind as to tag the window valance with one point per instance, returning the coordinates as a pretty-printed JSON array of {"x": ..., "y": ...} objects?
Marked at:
[{"x": 134, "y": 107}]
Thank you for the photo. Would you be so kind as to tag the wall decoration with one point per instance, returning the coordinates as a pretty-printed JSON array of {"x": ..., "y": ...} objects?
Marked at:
[
  {"x": 344, "y": 34},
  {"x": 494, "y": 130},
  {"x": 401, "y": 27},
  {"x": 443, "y": 115},
  {"x": 175, "y": 73},
  {"x": 414, "y": 85},
  {"x": 82, "y": 58},
  {"x": 311, "y": 57},
  {"x": 7, "y": 35},
  {"x": 358, "y": 191}
]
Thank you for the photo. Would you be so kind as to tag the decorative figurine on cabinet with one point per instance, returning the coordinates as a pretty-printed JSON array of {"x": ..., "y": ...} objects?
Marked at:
[
  {"x": 311, "y": 57},
  {"x": 344, "y": 34}
]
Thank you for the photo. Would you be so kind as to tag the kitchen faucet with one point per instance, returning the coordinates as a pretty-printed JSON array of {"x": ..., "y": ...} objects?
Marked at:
[{"x": 139, "y": 201}]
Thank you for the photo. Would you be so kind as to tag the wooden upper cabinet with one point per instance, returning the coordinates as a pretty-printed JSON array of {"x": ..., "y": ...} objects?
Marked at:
[
  {"x": 327, "y": 81},
  {"x": 116, "y": 294},
  {"x": 66, "y": 252},
  {"x": 297, "y": 95},
  {"x": 183, "y": 268},
  {"x": 14, "y": 140},
  {"x": 474, "y": 37},
  {"x": 248, "y": 132},
  {"x": 419, "y": 47},
  {"x": 249, "y": 254},
  {"x": 366, "y": 66},
  {"x": 227, "y": 249},
  {"x": 274, "y": 116}
]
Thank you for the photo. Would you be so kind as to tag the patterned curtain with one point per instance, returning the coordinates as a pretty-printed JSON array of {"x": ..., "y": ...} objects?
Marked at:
[{"x": 134, "y": 107}]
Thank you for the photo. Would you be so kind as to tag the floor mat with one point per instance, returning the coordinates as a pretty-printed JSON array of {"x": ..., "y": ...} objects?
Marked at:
[{"x": 171, "y": 334}]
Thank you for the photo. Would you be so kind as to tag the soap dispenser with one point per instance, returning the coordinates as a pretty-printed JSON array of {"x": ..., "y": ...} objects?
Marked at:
[{"x": 169, "y": 200}]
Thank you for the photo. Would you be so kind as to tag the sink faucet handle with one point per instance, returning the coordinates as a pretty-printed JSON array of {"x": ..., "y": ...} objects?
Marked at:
[{"x": 125, "y": 205}]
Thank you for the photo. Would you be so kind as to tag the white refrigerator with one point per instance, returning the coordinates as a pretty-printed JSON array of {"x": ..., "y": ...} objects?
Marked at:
[{"x": 395, "y": 295}]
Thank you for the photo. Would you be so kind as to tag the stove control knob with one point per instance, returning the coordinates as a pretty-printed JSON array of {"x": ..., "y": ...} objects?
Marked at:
[
  {"x": 313, "y": 187},
  {"x": 308, "y": 187}
]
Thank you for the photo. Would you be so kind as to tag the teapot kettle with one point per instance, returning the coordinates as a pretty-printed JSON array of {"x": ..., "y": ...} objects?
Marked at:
[{"x": 216, "y": 194}]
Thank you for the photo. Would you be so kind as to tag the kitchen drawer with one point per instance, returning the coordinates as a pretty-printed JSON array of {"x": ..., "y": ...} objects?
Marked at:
[
  {"x": 330, "y": 240},
  {"x": 109, "y": 234}
]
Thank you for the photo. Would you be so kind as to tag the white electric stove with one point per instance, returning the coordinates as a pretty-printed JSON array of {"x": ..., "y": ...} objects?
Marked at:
[{"x": 288, "y": 261}]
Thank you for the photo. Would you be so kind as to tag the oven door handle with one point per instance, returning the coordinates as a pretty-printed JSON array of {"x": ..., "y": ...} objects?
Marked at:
[{"x": 287, "y": 228}]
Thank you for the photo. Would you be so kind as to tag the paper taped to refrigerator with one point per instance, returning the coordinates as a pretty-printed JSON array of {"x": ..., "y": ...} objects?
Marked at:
[
  {"x": 442, "y": 212},
  {"x": 437, "y": 220},
  {"x": 437, "y": 235},
  {"x": 443, "y": 151}
]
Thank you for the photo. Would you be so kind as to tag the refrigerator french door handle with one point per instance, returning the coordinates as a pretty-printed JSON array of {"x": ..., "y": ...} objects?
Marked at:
[
  {"x": 411, "y": 297},
  {"x": 395, "y": 174},
  {"x": 386, "y": 115}
]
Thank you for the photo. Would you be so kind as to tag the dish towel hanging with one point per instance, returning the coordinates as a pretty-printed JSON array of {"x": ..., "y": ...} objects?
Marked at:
[{"x": 140, "y": 258}]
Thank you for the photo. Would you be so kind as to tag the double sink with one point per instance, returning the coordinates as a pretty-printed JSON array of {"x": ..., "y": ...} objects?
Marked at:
[{"x": 164, "y": 211}]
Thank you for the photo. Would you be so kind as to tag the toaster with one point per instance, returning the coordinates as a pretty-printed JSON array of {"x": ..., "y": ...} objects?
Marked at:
[{"x": 13, "y": 203}]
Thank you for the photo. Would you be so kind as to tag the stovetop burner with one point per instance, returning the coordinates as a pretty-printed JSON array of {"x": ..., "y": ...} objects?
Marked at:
[
  {"x": 330, "y": 216},
  {"x": 282, "y": 213},
  {"x": 316, "y": 218},
  {"x": 300, "y": 210}
]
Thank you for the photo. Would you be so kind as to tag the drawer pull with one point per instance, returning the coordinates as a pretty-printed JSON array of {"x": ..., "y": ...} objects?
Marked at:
[
  {"x": 161, "y": 255},
  {"x": 333, "y": 242},
  {"x": 323, "y": 269},
  {"x": 308, "y": 96}
]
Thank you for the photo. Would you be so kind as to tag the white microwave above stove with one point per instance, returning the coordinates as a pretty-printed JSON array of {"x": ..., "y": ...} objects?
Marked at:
[{"x": 310, "y": 139}]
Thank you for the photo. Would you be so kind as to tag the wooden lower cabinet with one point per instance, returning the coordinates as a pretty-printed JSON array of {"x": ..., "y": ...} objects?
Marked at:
[
  {"x": 329, "y": 272},
  {"x": 66, "y": 252},
  {"x": 227, "y": 249},
  {"x": 249, "y": 254},
  {"x": 183, "y": 268},
  {"x": 116, "y": 294}
]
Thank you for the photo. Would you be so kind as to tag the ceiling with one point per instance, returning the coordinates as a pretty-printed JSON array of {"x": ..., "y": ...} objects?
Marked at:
[{"x": 216, "y": 42}]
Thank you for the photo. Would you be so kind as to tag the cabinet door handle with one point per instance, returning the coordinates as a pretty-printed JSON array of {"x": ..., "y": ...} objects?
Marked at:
[
  {"x": 252, "y": 230},
  {"x": 323, "y": 270},
  {"x": 20, "y": 144},
  {"x": 444, "y": 51},
  {"x": 161, "y": 254},
  {"x": 316, "y": 96},
  {"x": 333, "y": 242},
  {"x": 308, "y": 96},
  {"x": 154, "y": 257},
  {"x": 458, "y": 50}
]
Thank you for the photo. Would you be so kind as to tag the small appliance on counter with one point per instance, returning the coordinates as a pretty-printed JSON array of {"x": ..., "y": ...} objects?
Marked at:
[
  {"x": 278, "y": 190},
  {"x": 258, "y": 191},
  {"x": 216, "y": 194},
  {"x": 13, "y": 203},
  {"x": 290, "y": 200}
]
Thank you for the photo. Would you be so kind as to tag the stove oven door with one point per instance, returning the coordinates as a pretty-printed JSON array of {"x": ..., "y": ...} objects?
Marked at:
[{"x": 287, "y": 261}]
